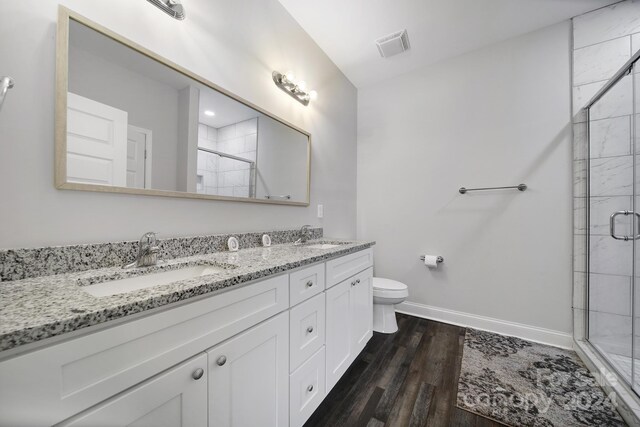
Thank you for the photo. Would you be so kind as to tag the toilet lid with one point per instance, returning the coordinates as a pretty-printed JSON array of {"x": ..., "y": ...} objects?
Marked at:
[{"x": 388, "y": 284}]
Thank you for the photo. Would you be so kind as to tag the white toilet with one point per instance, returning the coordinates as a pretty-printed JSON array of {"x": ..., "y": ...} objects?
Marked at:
[{"x": 386, "y": 294}]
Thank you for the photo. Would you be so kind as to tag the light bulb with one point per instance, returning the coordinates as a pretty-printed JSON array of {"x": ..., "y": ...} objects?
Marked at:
[
  {"x": 313, "y": 95},
  {"x": 302, "y": 86},
  {"x": 290, "y": 76},
  {"x": 209, "y": 113}
]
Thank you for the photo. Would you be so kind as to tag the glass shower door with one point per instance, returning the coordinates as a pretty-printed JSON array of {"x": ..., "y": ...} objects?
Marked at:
[
  {"x": 610, "y": 230},
  {"x": 635, "y": 285}
]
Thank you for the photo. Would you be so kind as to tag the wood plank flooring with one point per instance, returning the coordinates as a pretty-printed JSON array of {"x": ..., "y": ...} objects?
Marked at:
[{"x": 409, "y": 378}]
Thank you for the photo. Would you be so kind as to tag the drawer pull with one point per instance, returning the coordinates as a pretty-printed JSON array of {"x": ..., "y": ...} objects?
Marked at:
[
  {"x": 221, "y": 360},
  {"x": 310, "y": 329},
  {"x": 309, "y": 284},
  {"x": 197, "y": 374},
  {"x": 310, "y": 388},
  {"x": 353, "y": 283},
  {"x": 357, "y": 280}
]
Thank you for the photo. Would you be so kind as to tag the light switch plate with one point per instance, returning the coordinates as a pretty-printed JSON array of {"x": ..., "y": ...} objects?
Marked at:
[{"x": 320, "y": 211}]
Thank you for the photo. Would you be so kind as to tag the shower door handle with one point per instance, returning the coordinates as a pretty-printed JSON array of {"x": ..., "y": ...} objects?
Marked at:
[{"x": 612, "y": 225}]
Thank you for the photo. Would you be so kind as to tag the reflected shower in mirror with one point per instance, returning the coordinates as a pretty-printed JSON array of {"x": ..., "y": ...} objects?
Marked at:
[{"x": 138, "y": 124}]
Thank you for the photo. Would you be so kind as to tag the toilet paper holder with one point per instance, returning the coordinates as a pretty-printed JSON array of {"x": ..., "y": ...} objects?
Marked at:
[{"x": 439, "y": 260}]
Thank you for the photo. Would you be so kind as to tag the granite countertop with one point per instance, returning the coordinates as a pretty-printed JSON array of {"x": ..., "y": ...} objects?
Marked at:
[{"x": 42, "y": 307}]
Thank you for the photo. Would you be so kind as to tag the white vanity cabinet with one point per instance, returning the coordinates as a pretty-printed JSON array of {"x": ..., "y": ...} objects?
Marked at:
[
  {"x": 249, "y": 377},
  {"x": 264, "y": 354},
  {"x": 177, "y": 397},
  {"x": 66, "y": 378},
  {"x": 361, "y": 309},
  {"x": 349, "y": 322}
]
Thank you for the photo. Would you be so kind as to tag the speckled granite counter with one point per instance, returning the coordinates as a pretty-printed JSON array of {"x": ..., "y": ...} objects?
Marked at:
[{"x": 36, "y": 308}]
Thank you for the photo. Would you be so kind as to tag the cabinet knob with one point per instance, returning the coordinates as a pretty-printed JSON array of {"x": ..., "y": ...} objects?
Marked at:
[
  {"x": 310, "y": 388},
  {"x": 309, "y": 284},
  {"x": 353, "y": 283},
  {"x": 357, "y": 280},
  {"x": 197, "y": 374},
  {"x": 221, "y": 360},
  {"x": 310, "y": 329}
]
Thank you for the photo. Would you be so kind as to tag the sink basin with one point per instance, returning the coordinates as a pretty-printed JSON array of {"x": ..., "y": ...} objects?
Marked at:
[
  {"x": 130, "y": 284},
  {"x": 323, "y": 246}
]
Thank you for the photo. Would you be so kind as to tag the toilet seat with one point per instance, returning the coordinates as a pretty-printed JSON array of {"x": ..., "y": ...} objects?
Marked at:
[{"x": 387, "y": 288}]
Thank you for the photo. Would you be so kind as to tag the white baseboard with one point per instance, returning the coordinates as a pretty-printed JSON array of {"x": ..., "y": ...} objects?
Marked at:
[{"x": 530, "y": 333}]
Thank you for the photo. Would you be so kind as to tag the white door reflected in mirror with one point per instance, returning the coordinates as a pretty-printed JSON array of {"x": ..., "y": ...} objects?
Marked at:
[
  {"x": 139, "y": 157},
  {"x": 96, "y": 142}
]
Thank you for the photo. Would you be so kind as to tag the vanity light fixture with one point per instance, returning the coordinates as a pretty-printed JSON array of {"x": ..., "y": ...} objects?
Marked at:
[
  {"x": 298, "y": 90},
  {"x": 172, "y": 8},
  {"x": 6, "y": 83},
  {"x": 209, "y": 113}
]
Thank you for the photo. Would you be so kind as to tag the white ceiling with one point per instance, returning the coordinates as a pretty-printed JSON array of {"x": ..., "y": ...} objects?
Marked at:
[
  {"x": 438, "y": 29},
  {"x": 227, "y": 110}
]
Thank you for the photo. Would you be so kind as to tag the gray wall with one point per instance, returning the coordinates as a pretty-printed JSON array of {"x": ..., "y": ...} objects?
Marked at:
[
  {"x": 497, "y": 116},
  {"x": 234, "y": 44}
]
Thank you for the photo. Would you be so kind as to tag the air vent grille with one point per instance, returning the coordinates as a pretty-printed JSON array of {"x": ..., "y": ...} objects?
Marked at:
[{"x": 393, "y": 44}]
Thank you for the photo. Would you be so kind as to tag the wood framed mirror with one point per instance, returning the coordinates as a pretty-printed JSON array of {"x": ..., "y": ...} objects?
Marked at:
[{"x": 130, "y": 121}]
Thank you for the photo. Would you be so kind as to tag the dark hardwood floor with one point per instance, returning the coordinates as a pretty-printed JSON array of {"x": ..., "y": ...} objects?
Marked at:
[{"x": 409, "y": 378}]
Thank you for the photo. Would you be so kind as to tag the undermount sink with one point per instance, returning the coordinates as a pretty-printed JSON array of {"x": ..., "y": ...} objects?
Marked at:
[
  {"x": 130, "y": 284},
  {"x": 323, "y": 246}
]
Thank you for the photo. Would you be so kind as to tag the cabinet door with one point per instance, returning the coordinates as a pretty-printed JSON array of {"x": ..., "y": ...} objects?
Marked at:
[
  {"x": 177, "y": 397},
  {"x": 362, "y": 310},
  {"x": 249, "y": 377},
  {"x": 338, "y": 333}
]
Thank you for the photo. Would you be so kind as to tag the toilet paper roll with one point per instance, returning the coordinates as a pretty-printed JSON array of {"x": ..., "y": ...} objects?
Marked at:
[{"x": 431, "y": 261}]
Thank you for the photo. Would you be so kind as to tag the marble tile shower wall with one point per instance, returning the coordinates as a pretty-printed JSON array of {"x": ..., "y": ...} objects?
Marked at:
[
  {"x": 221, "y": 175},
  {"x": 603, "y": 41},
  {"x": 208, "y": 163},
  {"x": 240, "y": 139}
]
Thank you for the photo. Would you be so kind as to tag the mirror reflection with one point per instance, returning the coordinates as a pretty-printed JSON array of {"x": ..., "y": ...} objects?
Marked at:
[{"x": 134, "y": 122}]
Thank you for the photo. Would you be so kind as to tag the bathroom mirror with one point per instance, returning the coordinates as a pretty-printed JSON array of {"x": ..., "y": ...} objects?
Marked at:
[{"x": 129, "y": 121}]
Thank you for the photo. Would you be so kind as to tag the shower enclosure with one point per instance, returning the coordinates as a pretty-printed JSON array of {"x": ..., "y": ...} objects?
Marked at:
[{"x": 613, "y": 223}]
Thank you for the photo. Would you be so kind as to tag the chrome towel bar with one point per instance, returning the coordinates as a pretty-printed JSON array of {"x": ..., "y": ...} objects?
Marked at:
[
  {"x": 284, "y": 196},
  {"x": 520, "y": 187}
]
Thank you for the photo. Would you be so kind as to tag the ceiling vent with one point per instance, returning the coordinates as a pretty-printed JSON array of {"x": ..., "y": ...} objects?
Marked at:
[{"x": 393, "y": 44}]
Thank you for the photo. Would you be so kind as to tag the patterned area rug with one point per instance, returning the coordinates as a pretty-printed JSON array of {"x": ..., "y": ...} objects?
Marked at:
[{"x": 520, "y": 383}]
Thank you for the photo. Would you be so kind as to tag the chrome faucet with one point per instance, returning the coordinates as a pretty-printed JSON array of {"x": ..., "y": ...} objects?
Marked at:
[
  {"x": 305, "y": 235},
  {"x": 147, "y": 251}
]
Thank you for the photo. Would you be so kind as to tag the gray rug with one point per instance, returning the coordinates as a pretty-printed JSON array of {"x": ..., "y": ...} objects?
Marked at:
[{"x": 520, "y": 383}]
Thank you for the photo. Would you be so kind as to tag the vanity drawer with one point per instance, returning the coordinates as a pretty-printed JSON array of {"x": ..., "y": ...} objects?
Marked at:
[
  {"x": 306, "y": 330},
  {"x": 307, "y": 389},
  {"x": 67, "y": 378},
  {"x": 306, "y": 283},
  {"x": 342, "y": 268}
]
